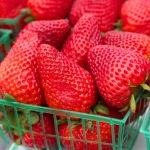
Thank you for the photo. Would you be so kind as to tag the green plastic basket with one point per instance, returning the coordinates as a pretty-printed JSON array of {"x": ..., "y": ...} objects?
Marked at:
[
  {"x": 127, "y": 135},
  {"x": 14, "y": 24},
  {"x": 5, "y": 42},
  {"x": 145, "y": 128}
]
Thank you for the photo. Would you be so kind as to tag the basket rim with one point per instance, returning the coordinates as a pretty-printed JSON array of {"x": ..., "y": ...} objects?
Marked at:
[{"x": 68, "y": 113}]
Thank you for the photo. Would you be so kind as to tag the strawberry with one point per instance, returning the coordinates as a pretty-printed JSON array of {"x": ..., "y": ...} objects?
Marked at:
[
  {"x": 11, "y": 9},
  {"x": 115, "y": 70},
  {"x": 66, "y": 85},
  {"x": 77, "y": 133},
  {"x": 133, "y": 41},
  {"x": 135, "y": 16},
  {"x": 107, "y": 12},
  {"x": 85, "y": 35},
  {"x": 19, "y": 75},
  {"x": 50, "y": 32},
  {"x": 49, "y": 9},
  {"x": 39, "y": 138}
]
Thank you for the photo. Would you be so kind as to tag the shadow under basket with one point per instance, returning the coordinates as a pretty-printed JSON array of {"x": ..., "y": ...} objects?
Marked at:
[
  {"x": 127, "y": 134},
  {"x": 145, "y": 128},
  {"x": 5, "y": 43},
  {"x": 14, "y": 24}
]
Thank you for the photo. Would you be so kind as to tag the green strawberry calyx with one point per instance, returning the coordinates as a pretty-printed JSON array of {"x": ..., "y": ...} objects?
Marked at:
[
  {"x": 16, "y": 118},
  {"x": 133, "y": 103},
  {"x": 135, "y": 92},
  {"x": 118, "y": 25},
  {"x": 101, "y": 109},
  {"x": 30, "y": 18},
  {"x": 125, "y": 108}
]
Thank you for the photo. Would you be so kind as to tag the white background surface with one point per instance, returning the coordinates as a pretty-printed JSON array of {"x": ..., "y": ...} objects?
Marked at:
[{"x": 140, "y": 144}]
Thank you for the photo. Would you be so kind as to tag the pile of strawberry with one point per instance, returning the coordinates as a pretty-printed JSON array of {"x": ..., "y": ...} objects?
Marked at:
[{"x": 77, "y": 70}]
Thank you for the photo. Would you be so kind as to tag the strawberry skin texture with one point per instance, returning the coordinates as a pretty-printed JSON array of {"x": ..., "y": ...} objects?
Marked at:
[
  {"x": 39, "y": 138},
  {"x": 85, "y": 35},
  {"x": 11, "y": 9},
  {"x": 113, "y": 68},
  {"x": 77, "y": 133},
  {"x": 66, "y": 85},
  {"x": 135, "y": 16},
  {"x": 53, "y": 32},
  {"x": 19, "y": 75},
  {"x": 49, "y": 9},
  {"x": 107, "y": 12},
  {"x": 133, "y": 41}
]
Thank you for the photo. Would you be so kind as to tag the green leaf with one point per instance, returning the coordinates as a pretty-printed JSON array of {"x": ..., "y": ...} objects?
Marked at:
[
  {"x": 118, "y": 23},
  {"x": 29, "y": 19},
  {"x": 101, "y": 109},
  {"x": 118, "y": 29},
  {"x": 89, "y": 125},
  {"x": 124, "y": 109},
  {"x": 133, "y": 103},
  {"x": 61, "y": 121},
  {"x": 26, "y": 10},
  {"x": 4, "y": 126},
  {"x": 12, "y": 118},
  {"x": 34, "y": 118},
  {"x": 145, "y": 86},
  {"x": 18, "y": 142},
  {"x": 16, "y": 132},
  {"x": 9, "y": 98}
]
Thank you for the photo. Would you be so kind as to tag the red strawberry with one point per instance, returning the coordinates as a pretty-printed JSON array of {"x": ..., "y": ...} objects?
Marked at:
[
  {"x": 11, "y": 9},
  {"x": 85, "y": 35},
  {"x": 137, "y": 42},
  {"x": 50, "y": 32},
  {"x": 107, "y": 12},
  {"x": 77, "y": 133},
  {"x": 135, "y": 16},
  {"x": 39, "y": 138},
  {"x": 49, "y": 9},
  {"x": 19, "y": 75},
  {"x": 114, "y": 69},
  {"x": 66, "y": 85}
]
